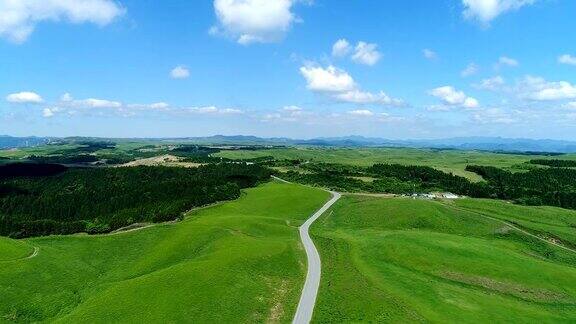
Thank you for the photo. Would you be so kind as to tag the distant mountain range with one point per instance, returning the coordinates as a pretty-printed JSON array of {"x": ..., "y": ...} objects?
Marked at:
[
  {"x": 7, "y": 142},
  {"x": 460, "y": 143}
]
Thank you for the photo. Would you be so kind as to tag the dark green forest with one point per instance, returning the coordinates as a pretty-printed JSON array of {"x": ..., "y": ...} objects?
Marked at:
[
  {"x": 546, "y": 186},
  {"x": 99, "y": 200},
  {"x": 555, "y": 163},
  {"x": 540, "y": 186}
]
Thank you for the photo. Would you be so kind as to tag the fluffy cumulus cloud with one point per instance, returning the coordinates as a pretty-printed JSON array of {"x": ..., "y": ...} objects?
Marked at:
[
  {"x": 485, "y": 11},
  {"x": 18, "y": 18},
  {"x": 538, "y": 89},
  {"x": 341, "y": 87},
  {"x": 429, "y": 54},
  {"x": 470, "y": 70},
  {"x": 254, "y": 21},
  {"x": 25, "y": 97},
  {"x": 180, "y": 72},
  {"x": 341, "y": 48},
  {"x": 330, "y": 79},
  {"x": 363, "y": 53},
  {"x": 452, "y": 97},
  {"x": 366, "y": 53},
  {"x": 567, "y": 59}
]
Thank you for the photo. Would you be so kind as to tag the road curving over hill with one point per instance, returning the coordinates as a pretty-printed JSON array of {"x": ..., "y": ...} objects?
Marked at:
[{"x": 310, "y": 291}]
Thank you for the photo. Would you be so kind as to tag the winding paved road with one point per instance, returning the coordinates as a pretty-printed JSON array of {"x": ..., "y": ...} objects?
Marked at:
[{"x": 310, "y": 290}]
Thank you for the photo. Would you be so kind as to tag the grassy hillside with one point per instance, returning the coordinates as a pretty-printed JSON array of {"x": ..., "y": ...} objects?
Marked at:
[
  {"x": 445, "y": 160},
  {"x": 235, "y": 262},
  {"x": 14, "y": 250},
  {"x": 548, "y": 222},
  {"x": 410, "y": 260}
]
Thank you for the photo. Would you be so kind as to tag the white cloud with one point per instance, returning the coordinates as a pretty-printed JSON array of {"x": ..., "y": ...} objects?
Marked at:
[
  {"x": 254, "y": 21},
  {"x": 507, "y": 61},
  {"x": 18, "y": 18},
  {"x": 204, "y": 110},
  {"x": 160, "y": 106},
  {"x": 492, "y": 84},
  {"x": 68, "y": 104},
  {"x": 365, "y": 53},
  {"x": 103, "y": 107},
  {"x": 471, "y": 103},
  {"x": 567, "y": 59},
  {"x": 429, "y": 54},
  {"x": 24, "y": 97},
  {"x": 210, "y": 110},
  {"x": 452, "y": 97},
  {"x": 330, "y": 79},
  {"x": 180, "y": 72},
  {"x": 538, "y": 89},
  {"x": 486, "y": 10},
  {"x": 97, "y": 103},
  {"x": 362, "y": 97},
  {"x": 66, "y": 97},
  {"x": 342, "y": 87},
  {"x": 330, "y": 119},
  {"x": 361, "y": 112},
  {"x": 341, "y": 48},
  {"x": 470, "y": 70},
  {"x": 47, "y": 113}
]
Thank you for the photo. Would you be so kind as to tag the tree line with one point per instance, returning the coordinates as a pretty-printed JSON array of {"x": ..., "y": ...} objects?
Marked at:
[
  {"x": 555, "y": 163},
  {"x": 540, "y": 186},
  {"x": 543, "y": 186},
  {"x": 99, "y": 200}
]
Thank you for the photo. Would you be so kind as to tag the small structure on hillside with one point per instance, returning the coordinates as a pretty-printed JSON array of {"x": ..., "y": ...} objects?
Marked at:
[
  {"x": 435, "y": 195},
  {"x": 449, "y": 195}
]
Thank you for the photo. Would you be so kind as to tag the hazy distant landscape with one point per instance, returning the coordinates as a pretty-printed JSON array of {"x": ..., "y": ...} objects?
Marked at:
[{"x": 466, "y": 143}]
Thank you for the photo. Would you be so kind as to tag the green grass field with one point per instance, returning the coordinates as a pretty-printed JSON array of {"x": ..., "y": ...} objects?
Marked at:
[
  {"x": 405, "y": 260},
  {"x": 14, "y": 250},
  {"x": 453, "y": 161},
  {"x": 236, "y": 262}
]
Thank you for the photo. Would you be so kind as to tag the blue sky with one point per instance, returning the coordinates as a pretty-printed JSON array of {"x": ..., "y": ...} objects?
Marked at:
[{"x": 294, "y": 68}]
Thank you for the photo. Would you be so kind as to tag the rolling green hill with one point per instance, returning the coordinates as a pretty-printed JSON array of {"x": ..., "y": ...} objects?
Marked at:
[
  {"x": 236, "y": 262},
  {"x": 410, "y": 260}
]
